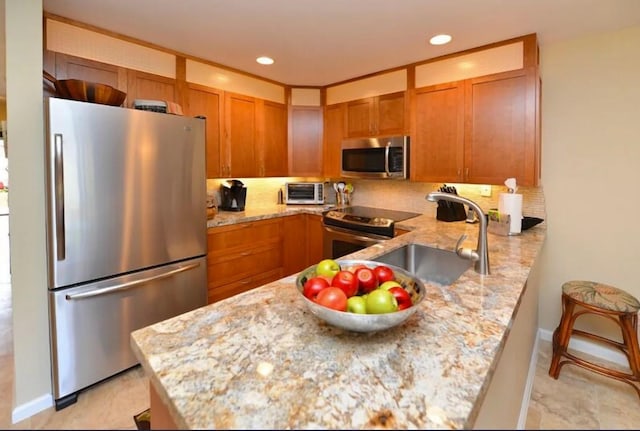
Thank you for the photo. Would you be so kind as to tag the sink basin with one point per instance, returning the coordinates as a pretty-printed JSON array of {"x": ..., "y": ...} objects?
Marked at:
[{"x": 428, "y": 263}]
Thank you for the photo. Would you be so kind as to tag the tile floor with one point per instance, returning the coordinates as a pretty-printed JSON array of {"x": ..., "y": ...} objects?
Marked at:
[{"x": 577, "y": 400}]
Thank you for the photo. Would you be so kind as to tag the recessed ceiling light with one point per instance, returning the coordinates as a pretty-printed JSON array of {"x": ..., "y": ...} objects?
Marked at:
[
  {"x": 264, "y": 60},
  {"x": 440, "y": 39}
]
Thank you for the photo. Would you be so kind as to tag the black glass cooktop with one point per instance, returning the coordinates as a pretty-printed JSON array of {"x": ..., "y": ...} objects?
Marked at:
[{"x": 366, "y": 219}]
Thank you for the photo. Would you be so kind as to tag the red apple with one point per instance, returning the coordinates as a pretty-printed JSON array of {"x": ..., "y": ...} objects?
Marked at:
[
  {"x": 313, "y": 286},
  {"x": 384, "y": 273},
  {"x": 402, "y": 296},
  {"x": 367, "y": 280},
  {"x": 347, "y": 281}
]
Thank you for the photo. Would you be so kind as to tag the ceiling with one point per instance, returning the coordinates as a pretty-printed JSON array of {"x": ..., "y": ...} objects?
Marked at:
[{"x": 320, "y": 42}]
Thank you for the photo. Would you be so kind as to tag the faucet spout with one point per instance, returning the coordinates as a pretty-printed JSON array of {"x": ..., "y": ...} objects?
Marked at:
[{"x": 481, "y": 254}]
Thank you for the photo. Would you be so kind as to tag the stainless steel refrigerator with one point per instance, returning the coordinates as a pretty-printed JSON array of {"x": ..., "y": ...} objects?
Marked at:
[{"x": 126, "y": 231}]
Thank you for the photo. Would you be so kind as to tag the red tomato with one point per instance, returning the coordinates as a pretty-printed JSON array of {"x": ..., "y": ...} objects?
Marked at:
[
  {"x": 347, "y": 281},
  {"x": 384, "y": 273},
  {"x": 333, "y": 297},
  {"x": 313, "y": 286}
]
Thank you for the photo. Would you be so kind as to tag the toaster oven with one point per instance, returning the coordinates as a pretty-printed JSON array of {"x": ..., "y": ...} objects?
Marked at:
[{"x": 304, "y": 193}]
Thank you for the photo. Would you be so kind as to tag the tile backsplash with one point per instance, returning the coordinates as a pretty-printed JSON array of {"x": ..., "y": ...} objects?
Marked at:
[{"x": 391, "y": 194}]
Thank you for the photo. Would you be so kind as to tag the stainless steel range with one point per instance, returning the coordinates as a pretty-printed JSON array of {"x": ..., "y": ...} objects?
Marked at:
[{"x": 349, "y": 229}]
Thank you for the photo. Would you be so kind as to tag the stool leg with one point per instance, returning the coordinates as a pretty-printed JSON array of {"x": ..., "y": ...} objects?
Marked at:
[
  {"x": 629, "y": 325},
  {"x": 561, "y": 336}
]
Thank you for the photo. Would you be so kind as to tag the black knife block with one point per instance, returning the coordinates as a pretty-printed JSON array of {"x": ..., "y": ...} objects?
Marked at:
[{"x": 450, "y": 211}]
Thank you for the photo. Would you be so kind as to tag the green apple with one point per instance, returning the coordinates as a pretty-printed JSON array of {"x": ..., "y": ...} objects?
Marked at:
[
  {"x": 389, "y": 284},
  {"x": 357, "y": 304},
  {"x": 381, "y": 301},
  {"x": 327, "y": 268}
]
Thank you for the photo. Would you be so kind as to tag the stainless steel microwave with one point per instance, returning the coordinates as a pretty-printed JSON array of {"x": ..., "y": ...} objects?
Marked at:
[
  {"x": 304, "y": 193},
  {"x": 386, "y": 157}
]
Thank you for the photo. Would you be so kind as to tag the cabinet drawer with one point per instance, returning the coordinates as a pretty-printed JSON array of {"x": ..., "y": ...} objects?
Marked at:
[
  {"x": 225, "y": 239},
  {"x": 232, "y": 267},
  {"x": 217, "y": 293}
]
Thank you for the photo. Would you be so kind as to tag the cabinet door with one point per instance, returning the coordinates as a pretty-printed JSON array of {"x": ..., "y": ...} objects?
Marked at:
[
  {"x": 305, "y": 135},
  {"x": 500, "y": 129},
  {"x": 207, "y": 102},
  {"x": 437, "y": 149},
  {"x": 142, "y": 85},
  {"x": 390, "y": 115},
  {"x": 295, "y": 244},
  {"x": 70, "y": 67},
  {"x": 333, "y": 136},
  {"x": 360, "y": 118},
  {"x": 314, "y": 239},
  {"x": 238, "y": 151},
  {"x": 273, "y": 151}
]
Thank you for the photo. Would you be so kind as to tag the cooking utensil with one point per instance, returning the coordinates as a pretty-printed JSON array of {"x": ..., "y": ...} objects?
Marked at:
[{"x": 85, "y": 91}]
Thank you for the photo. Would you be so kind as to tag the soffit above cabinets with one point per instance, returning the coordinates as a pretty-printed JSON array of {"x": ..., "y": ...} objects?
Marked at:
[{"x": 324, "y": 42}]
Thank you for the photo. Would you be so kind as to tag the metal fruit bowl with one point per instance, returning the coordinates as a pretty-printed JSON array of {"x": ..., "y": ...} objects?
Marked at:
[{"x": 365, "y": 322}]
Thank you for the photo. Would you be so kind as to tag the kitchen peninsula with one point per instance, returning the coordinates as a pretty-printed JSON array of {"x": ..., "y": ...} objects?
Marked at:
[{"x": 261, "y": 360}]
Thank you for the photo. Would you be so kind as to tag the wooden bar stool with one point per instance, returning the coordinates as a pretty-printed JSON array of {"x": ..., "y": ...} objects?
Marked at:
[{"x": 607, "y": 301}]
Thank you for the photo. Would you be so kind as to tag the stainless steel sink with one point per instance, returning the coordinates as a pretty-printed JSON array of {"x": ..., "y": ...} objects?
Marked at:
[{"x": 428, "y": 263}]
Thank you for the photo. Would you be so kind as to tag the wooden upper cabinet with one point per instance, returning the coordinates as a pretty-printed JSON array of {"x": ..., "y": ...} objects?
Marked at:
[
  {"x": 142, "y": 85},
  {"x": 305, "y": 137},
  {"x": 273, "y": 148},
  {"x": 334, "y": 116},
  {"x": 207, "y": 102},
  {"x": 390, "y": 114},
  {"x": 437, "y": 148},
  {"x": 360, "y": 118},
  {"x": 501, "y": 128},
  {"x": 70, "y": 67},
  {"x": 376, "y": 116},
  {"x": 238, "y": 148}
]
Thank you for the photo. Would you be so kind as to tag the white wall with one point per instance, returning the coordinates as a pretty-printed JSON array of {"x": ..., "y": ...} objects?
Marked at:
[
  {"x": 32, "y": 390},
  {"x": 590, "y": 165}
]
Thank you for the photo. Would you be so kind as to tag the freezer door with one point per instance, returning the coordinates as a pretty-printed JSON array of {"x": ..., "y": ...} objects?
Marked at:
[
  {"x": 91, "y": 325},
  {"x": 126, "y": 190}
]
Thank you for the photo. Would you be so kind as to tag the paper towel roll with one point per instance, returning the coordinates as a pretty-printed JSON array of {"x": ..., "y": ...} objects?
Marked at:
[{"x": 511, "y": 203}]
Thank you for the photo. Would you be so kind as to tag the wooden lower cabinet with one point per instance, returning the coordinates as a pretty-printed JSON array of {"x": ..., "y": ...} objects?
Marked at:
[
  {"x": 243, "y": 256},
  {"x": 398, "y": 232},
  {"x": 295, "y": 243},
  {"x": 314, "y": 239}
]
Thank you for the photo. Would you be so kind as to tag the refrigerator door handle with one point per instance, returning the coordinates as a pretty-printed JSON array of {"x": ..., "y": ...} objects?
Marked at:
[
  {"x": 59, "y": 196},
  {"x": 130, "y": 284}
]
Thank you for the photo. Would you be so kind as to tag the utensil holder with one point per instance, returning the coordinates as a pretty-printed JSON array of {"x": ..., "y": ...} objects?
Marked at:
[
  {"x": 450, "y": 211},
  {"x": 343, "y": 198}
]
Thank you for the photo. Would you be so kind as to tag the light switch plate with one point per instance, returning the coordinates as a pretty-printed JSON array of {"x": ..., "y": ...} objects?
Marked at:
[{"x": 485, "y": 190}]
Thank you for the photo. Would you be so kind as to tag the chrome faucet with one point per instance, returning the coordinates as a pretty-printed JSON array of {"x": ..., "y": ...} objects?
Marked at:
[{"x": 481, "y": 255}]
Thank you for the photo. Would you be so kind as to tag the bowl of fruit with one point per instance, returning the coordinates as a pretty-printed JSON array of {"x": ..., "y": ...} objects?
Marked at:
[{"x": 360, "y": 295}]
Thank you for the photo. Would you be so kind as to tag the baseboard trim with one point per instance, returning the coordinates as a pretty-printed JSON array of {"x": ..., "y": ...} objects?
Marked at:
[
  {"x": 32, "y": 407},
  {"x": 591, "y": 348},
  {"x": 531, "y": 375}
]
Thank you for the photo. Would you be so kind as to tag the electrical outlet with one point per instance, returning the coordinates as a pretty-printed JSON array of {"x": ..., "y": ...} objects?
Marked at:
[{"x": 485, "y": 190}]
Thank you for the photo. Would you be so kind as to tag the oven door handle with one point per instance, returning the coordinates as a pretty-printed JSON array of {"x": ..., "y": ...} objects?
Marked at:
[
  {"x": 387, "y": 151},
  {"x": 353, "y": 236}
]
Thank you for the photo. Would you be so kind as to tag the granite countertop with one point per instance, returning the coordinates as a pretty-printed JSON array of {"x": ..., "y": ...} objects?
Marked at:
[
  {"x": 261, "y": 360},
  {"x": 264, "y": 212}
]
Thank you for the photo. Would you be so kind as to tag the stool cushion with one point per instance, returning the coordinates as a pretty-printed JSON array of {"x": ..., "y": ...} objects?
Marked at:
[{"x": 601, "y": 295}]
